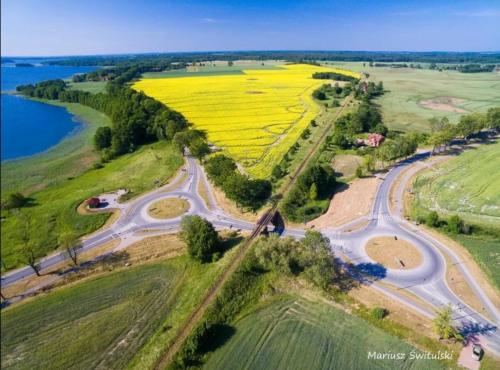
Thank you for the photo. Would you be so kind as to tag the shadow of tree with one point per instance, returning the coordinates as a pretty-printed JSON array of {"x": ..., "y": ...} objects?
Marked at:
[{"x": 471, "y": 330}]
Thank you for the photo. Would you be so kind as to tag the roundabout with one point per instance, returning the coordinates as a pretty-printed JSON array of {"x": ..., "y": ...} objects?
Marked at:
[
  {"x": 168, "y": 208},
  {"x": 393, "y": 253},
  {"x": 387, "y": 248}
]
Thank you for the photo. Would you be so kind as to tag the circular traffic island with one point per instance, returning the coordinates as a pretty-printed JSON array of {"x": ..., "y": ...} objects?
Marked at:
[
  {"x": 168, "y": 208},
  {"x": 393, "y": 253}
]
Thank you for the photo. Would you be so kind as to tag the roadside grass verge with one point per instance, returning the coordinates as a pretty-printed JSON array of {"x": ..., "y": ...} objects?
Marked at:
[
  {"x": 54, "y": 208},
  {"x": 104, "y": 321},
  {"x": 70, "y": 158}
]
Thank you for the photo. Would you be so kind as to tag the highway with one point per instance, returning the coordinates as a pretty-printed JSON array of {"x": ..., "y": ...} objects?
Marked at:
[{"x": 427, "y": 281}]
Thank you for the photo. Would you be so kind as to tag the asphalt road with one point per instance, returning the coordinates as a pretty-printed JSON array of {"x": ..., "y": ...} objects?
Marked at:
[{"x": 427, "y": 281}]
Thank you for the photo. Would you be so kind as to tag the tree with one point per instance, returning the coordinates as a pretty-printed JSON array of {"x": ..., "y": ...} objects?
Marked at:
[
  {"x": 359, "y": 172},
  {"x": 369, "y": 162},
  {"x": 198, "y": 148},
  {"x": 313, "y": 192},
  {"x": 201, "y": 239},
  {"x": 15, "y": 200},
  {"x": 102, "y": 137},
  {"x": 28, "y": 248},
  {"x": 432, "y": 219},
  {"x": 275, "y": 253},
  {"x": 455, "y": 224},
  {"x": 316, "y": 259},
  {"x": 493, "y": 118},
  {"x": 219, "y": 167},
  {"x": 278, "y": 172},
  {"x": 29, "y": 256},
  {"x": 443, "y": 325},
  {"x": 71, "y": 245}
]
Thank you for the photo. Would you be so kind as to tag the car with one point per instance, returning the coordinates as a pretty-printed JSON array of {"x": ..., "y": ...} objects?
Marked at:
[{"x": 477, "y": 352}]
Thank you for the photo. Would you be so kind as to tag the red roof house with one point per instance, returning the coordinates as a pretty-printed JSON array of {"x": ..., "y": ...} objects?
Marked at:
[
  {"x": 93, "y": 202},
  {"x": 374, "y": 140}
]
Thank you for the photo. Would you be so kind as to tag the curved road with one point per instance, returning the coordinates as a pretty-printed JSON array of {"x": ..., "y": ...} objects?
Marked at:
[{"x": 427, "y": 281}]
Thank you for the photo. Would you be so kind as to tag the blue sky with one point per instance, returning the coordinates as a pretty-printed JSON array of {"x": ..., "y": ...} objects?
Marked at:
[{"x": 79, "y": 27}]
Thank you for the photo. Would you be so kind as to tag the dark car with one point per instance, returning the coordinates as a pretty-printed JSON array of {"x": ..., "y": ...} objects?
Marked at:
[{"x": 477, "y": 352}]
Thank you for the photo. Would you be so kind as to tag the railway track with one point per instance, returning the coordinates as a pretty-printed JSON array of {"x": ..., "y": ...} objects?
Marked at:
[{"x": 198, "y": 313}]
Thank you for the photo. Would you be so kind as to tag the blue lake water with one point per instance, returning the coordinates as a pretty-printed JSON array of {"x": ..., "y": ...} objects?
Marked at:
[{"x": 30, "y": 127}]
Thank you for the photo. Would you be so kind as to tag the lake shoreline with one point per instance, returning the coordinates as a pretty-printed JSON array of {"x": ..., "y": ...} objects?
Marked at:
[
  {"x": 81, "y": 126},
  {"x": 73, "y": 150}
]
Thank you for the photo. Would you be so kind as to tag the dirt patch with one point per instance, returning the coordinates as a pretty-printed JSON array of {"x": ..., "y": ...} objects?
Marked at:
[
  {"x": 443, "y": 104},
  {"x": 161, "y": 246},
  {"x": 393, "y": 253},
  {"x": 398, "y": 312},
  {"x": 349, "y": 204},
  {"x": 346, "y": 164},
  {"x": 255, "y": 92},
  {"x": 168, "y": 208}
]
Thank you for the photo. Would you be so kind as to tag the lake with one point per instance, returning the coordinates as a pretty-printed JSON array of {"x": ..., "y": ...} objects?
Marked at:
[{"x": 30, "y": 127}]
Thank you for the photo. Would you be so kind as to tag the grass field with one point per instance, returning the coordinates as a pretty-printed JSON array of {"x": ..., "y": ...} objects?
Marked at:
[
  {"x": 255, "y": 116},
  {"x": 486, "y": 251},
  {"x": 406, "y": 88},
  {"x": 294, "y": 333},
  {"x": 93, "y": 87},
  {"x": 54, "y": 208},
  {"x": 69, "y": 158},
  {"x": 468, "y": 185},
  {"x": 120, "y": 320}
]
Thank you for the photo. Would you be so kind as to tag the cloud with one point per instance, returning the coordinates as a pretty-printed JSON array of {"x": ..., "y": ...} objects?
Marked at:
[{"x": 479, "y": 13}]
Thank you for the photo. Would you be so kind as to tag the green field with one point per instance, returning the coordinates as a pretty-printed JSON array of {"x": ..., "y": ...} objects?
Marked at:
[
  {"x": 54, "y": 208},
  {"x": 93, "y": 87},
  {"x": 486, "y": 251},
  {"x": 468, "y": 185},
  {"x": 406, "y": 88},
  {"x": 71, "y": 157},
  {"x": 215, "y": 69},
  {"x": 105, "y": 321},
  {"x": 294, "y": 333}
]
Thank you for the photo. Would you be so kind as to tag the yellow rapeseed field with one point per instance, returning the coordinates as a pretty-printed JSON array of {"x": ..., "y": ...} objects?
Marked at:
[{"x": 255, "y": 117}]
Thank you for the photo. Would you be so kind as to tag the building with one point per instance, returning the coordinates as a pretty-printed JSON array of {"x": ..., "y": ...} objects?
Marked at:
[
  {"x": 93, "y": 202},
  {"x": 374, "y": 140}
]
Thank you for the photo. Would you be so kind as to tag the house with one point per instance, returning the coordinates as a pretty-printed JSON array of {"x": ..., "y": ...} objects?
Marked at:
[
  {"x": 374, "y": 140},
  {"x": 93, "y": 202}
]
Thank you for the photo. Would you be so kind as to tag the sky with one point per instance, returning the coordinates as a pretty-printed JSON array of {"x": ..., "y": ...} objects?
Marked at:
[{"x": 76, "y": 27}]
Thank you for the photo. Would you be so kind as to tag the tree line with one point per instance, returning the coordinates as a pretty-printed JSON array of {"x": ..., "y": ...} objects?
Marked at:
[
  {"x": 136, "y": 118},
  {"x": 443, "y": 132},
  {"x": 169, "y": 60},
  {"x": 333, "y": 76}
]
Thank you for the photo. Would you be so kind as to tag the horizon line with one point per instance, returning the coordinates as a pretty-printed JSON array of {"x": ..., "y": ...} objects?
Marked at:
[{"x": 253, "y": 51}]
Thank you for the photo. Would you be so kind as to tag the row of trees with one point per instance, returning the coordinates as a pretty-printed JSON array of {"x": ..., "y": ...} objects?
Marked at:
[
  {"x": 247, "y": 193},
  {"x": 443, "y": 132},
  {"x": 333, "y": 76}
]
